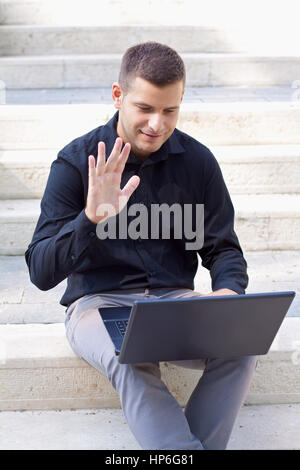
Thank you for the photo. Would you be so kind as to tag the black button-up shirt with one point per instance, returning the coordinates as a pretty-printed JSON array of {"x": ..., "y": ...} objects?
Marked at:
[{"x": 65, "y": 243}]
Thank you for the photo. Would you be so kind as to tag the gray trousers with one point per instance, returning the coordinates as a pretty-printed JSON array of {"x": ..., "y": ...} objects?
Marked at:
[{"x": 152, "y": 413}]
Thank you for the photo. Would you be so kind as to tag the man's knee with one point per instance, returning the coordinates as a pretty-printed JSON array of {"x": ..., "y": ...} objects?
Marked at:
[
  {"x": 120, "y": 374},
  {"x": 245, "y": 364}
]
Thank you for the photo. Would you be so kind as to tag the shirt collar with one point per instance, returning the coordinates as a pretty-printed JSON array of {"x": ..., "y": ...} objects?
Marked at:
[{"x": 171, "y": 146}]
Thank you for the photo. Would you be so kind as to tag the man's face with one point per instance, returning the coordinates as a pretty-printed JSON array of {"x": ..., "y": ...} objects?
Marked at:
[{"x": 147, "y": 114}]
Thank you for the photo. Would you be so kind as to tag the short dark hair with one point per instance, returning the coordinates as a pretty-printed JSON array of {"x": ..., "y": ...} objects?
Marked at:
[{"x": 152, "y": 61}]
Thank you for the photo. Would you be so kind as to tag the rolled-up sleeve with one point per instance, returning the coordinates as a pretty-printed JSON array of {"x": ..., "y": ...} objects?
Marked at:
[
  {"x": 221, "y": 252},
  {"x": 63, "y": 232}
]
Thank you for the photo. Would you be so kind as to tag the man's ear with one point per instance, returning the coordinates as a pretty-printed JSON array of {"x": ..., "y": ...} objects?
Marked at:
[{"x": 117, "y": 95}]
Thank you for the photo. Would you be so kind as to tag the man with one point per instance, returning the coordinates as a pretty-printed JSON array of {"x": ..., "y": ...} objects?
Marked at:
[{"x": 157, "y": 164}]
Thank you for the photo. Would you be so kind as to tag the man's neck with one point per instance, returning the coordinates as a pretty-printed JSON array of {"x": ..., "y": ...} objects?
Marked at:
[{"x": 142, "y": 157}]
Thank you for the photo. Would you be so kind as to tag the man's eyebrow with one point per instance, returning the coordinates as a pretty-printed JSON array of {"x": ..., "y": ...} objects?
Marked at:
[{"x": 141, "y": 103}]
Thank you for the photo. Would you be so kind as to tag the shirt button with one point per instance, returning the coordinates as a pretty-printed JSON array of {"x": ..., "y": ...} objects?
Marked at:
[
  {"x": 92, "y": 234},
  {"x": 73, "y": 257}
]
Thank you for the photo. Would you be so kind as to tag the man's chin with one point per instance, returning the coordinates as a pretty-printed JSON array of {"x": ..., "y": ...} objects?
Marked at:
[
  {"x": 151, "y": 146},
  {"x": 145, "y": 151}
]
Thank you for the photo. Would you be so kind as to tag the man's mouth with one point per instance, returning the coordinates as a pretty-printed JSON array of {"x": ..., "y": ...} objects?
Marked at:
[{"x": 151, "y": 136}]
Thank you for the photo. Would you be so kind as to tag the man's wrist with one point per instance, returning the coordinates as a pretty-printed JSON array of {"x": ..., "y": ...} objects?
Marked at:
[
  {"x": 88, "y": 216},
  {"x": 226, "y": 291},
  {"x": 223, "y": 291},
  {"x": 92, "y": 219}
]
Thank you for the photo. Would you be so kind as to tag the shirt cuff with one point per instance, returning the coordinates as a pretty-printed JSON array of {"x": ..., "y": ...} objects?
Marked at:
[{"x": 84, "y": 227}]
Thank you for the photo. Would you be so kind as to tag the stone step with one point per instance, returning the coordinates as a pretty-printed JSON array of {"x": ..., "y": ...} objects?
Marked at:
[
  {"x": 258, "y": 427},
  {"x": 103, "y": 95},
  {"x": 263, "y": 222},
  {"x": 106, "y": 12},
  {"x": 39, "y": 370},
  {"x": 260, "y": 169},
  {"x": 212, "y": 123},
  {"x": 94, "y": 70},
  {"x": 22, "y": 302},
  {"x": 24, "y": 173},
  {"x": 115, "y": 38}
]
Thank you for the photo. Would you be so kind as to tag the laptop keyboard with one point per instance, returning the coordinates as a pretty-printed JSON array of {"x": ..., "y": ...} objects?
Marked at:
[{"x": 122, "y": 325}]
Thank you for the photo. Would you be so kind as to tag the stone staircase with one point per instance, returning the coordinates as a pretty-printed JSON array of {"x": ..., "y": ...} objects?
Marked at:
[{"x": 241, "y": 101}]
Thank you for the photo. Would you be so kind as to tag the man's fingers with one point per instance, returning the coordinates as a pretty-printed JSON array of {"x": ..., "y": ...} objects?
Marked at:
[
  {"x": 113, "y": 158},
  {"x": 117, "y": 159},
  {"x": 123, "y": 157},
  {"x": 101, "y": 159},
  {"x": 92, "y": 171}
]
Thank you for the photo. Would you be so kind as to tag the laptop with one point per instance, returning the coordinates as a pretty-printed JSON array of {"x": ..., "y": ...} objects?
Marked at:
[{"x": 196, "y": 328}]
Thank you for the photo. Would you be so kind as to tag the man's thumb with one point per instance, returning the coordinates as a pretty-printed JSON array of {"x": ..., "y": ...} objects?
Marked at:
[{"x": 131, "y": 186}]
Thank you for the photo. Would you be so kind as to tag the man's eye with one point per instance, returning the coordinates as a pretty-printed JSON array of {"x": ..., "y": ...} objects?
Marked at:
[{"x": 148, "y": 110}]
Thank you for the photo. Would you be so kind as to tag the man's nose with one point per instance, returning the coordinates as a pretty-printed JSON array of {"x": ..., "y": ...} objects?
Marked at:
[{"x": 155, "y": 123}]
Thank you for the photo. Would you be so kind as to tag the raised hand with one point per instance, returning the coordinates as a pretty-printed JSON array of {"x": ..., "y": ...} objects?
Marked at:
[{"x": 104, "y": 182}]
